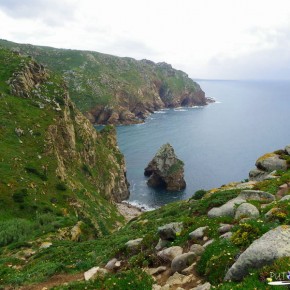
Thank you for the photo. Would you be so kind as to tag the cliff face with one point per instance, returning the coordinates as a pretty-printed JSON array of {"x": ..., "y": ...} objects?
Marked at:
[
  {"x": 114, "y": 90},
  {"x": 51, "y": 155}
]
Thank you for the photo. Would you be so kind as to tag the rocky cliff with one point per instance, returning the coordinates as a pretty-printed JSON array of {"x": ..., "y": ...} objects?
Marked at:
[
  {"x": 166, "y": 170},
  {"x": 52, "y": 158},
  {"x": 115, "y": 90}
]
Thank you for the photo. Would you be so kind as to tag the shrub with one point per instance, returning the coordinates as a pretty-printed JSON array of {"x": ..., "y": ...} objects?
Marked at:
[
  {"x": 20, "y": 195},
  {"x": 216, "y": 260},
  {"x": 199, "y": 194},
  {"x": 86, "y": 170},
  {"x": 216, "y": 199},
  {"x": 61, "y": 186},
  {"x": 247, "y": 232},
  {"x": 14, "y": 230},
  {"x": 35, "y": 171}
]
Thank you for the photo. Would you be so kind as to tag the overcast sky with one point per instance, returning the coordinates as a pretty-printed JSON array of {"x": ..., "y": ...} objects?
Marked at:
[{"x": 223, "y": 39}]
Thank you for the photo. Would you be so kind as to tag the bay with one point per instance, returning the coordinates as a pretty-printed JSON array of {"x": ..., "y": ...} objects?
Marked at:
[{"x": 218, "y": 143}]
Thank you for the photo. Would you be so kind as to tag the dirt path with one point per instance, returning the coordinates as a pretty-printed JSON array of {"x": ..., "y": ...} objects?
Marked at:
[{"x": 56, "y": 280}]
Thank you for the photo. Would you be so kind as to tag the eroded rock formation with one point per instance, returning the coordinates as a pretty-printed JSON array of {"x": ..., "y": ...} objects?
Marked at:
[{"x": 166, "y": 170}]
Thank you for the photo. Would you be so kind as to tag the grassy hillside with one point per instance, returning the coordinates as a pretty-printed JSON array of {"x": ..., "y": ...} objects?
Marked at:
[
  {"x": 55, "y": 169},
  {"x": 68, "y": 257},
  {"x": 112, "y": 89}
]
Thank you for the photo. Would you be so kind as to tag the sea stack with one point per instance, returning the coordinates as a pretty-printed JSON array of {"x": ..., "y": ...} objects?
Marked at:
[{"x": 166, "y": 170}]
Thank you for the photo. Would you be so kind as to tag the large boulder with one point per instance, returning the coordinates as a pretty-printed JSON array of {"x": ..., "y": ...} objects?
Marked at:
[
  {"x": 166, "y": 170},
  {"x": 197, "y": 249},
  {"x": 260, "y": 175},
  {"x": 286, "y": 197},
  {"x": 273, "y": 245},
  {"x": 182, "y": 261},
  {"x": 270, "y": 162},
  {"x": 246, "y": 210},
  {"x": 198, "y": 233},
  {"x": 227, "y": 209},
  {"x": 168, "y": 232},
  {"x": 256, "y": 195},
  {"x": 287, "y": 149},
  {"x": 134, "y": 244},
  {"x": 170, "y": 253},
  {"x": 94, "y": 272}
]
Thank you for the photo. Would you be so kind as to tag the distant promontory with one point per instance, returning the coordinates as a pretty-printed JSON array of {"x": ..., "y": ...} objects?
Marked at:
[{"x": 116, "y": 90}]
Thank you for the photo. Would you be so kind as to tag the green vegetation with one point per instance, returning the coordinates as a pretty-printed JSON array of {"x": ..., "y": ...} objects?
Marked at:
[
  {"x": 127, "y": 280},
  {"x": 47, "y": 188},
  {"x": 34, "y": 199},
  {"x": 96, "y": 79}
]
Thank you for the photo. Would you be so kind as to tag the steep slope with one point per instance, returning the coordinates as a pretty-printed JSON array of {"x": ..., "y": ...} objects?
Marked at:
[
  {"x": 214, "y": 243},
  {"x": 115, "y": 90},
  {"x": 53, "y": 164}
]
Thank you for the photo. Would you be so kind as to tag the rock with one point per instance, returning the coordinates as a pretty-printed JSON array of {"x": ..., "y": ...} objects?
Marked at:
[
  {"x": 113, "y": 264},
  {"x": 45, "y": 245},
  {"x": 227, "y": 209},
  {"x": 256, "y": 195},
  {"x": 198, "y": 233},
  {"x": 208, "y": 243},
  {"x": 19, "y": 132},
  {"x": 246, "y": 210},
  {"x": 179, "y": 279},
  {"x": 269, "y": 213},
  {"x": 189, "y": 270},
  {"x": 197, "y": 249},
  {"x": 161, "y": 244},
  {"x": 133, "y": 244},
  {"x": 260, "y": 175},
  {"x": 286, "y": 197},
  {"x": 205, "y": 286},
  {"x": 94, "y": 273},
  {"x": 156, "y": 287},
  {"x": 168, "y": 232},
  {"x": 166, "y": 170},
  {"x": 225, "y": 228},
  {"x": 263, "y": 251},
  {"x": 227, "y": 235},
  {"x": 76, "y": 231},
  {"x": 28, "y": 253},
  {"x": 270, "y": 162},
  {"x": 170, "y": 253},
  {"x": 287, "y": 149},
  {"x": 155, "y": 271},
  {"x": 182, "y": 261}
]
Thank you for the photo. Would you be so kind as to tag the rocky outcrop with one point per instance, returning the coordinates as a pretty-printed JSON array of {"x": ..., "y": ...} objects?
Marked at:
[
  {"x": 227, "y": 209},
  {"x": 268, "y": 164},
  {"x": 166, "y": 170},
  {"x": 30, "y": 76},
  {"x": 257, "y": 195},
  {"x": 263, "y": 251},
  {"x": 71, "y": 128}
]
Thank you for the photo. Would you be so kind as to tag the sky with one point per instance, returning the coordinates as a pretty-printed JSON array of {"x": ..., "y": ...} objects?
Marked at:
[{"x": 208, "y": 39}]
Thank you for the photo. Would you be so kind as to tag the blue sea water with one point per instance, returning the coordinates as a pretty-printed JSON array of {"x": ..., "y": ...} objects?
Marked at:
[{"x": 218, "y": 143}]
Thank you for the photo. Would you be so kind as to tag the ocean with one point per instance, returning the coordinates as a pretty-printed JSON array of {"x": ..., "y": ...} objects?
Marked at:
[{"x": 219, "y": 143}]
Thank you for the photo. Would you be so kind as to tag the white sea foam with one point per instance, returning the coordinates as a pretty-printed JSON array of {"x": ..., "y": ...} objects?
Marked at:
[
  {"x": 159, "y": 112},
  {"x": 140, "y": 205},
  {"x": 180, "y": 110}
]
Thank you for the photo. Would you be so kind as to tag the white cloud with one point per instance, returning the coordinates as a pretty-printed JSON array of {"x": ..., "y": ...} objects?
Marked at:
[{"x": 206, "y": 38}]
